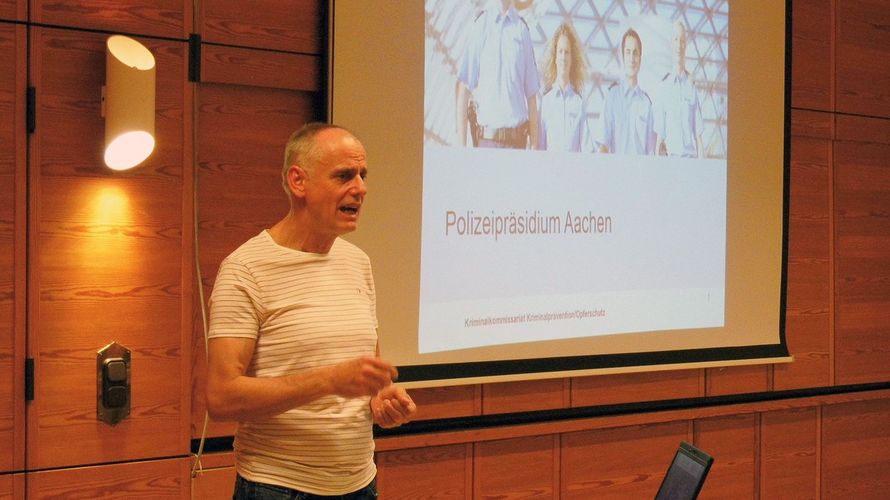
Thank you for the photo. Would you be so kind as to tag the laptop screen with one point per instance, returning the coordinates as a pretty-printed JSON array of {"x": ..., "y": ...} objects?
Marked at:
[{"x": 686, "y": 474}]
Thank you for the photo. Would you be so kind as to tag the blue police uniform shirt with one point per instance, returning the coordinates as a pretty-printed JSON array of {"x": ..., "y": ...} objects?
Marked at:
[
  {"x": 563, "y": 121},
  {"x": 499, "y": 67},
  {"x": 678, "y": 117},
  {"x": 627, "y": 121}
]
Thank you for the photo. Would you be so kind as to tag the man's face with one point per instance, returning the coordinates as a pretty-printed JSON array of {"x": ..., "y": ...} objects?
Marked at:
[
  {"x": 631, "y": 57},
  {"x": 335, "y": 187},
  {"x": 563, "y": 57},
  {"x": 678, "y": 42}
]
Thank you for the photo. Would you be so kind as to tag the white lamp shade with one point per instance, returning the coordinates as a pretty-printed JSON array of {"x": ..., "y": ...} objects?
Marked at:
[{"x": 129, "y": 102}]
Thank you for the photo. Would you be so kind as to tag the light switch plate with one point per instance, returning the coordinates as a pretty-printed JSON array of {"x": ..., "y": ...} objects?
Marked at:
[{"x": 113, "y": 383}]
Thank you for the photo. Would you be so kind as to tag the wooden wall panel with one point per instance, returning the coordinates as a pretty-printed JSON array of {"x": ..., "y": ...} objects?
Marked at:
[
  {"x": 856, "y": 450},
  {"x": 12, "y": 257},
  {"x": 863, "y": 47},
  {"x": 260, "y": 68},
  {"x": 732, "y": 441},
  {"x": 517, "y": 468},
  {"x": 293, "y": 25},
  {"x": 527, "y": 395},
  {"x": 242, "y": 132},
  {"x": 736, "y": 380},
  {"x": 159, "y": 18},
  {"x": 214, "y": 484},
  {"x": 627, "y": 462},
  {"x": 12, "y": 487},
  {"x": 14, "y": 10},
  {"x": 811, "y": 63},
  {"x": 215, "y": 478},
  {"x": 447, "y": 402},
  {"x": 106, "y": 262},
  {"x": 440, "y": 472},
  {"x": 239, "y": 187},
  {"x": 862, "y": 232},
  {"x": 853, "y": 128},
  {"x": 789, "y": 451},
  {"x": 812, "y": 124},
  {"x": 151, "y": 480},
  {"x": 635, "y": 387},
  {"x": 807, "y": 321}
]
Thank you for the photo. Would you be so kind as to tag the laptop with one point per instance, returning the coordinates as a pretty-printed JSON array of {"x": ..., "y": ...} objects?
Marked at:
[{"x": 686, "y": 474}]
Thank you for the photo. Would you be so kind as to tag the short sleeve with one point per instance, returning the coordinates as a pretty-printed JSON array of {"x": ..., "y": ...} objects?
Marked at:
[{"x": 235, "y": 306}]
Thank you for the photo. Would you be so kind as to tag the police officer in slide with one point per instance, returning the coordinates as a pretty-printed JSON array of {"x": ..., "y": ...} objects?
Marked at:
[
  {"x": 498, "y": 68},
  {"x": 627, "y": 119},
  {"x": 678, "y": 117}
]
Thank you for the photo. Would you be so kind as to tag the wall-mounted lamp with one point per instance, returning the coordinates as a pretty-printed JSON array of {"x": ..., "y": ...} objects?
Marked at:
[{"x": 128, "y": 102}]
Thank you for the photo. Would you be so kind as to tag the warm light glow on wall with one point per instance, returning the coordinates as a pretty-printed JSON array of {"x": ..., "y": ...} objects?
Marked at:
[
  {"x": 111, "y": 207},
  {"x": 111, "y": 227},
  {"x": 108, "y": 233},
  {"x": 129, "y": 102}
]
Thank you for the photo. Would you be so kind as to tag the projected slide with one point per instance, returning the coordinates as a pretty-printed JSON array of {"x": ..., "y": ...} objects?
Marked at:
[{"x": 574, "y": 171}]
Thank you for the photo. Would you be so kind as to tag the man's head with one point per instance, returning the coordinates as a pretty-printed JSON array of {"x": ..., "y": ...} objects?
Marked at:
[
  {"x": 631, "y": 53},
  {"x": 324, "y": 175},
  {"x": 301, "y": 149}
]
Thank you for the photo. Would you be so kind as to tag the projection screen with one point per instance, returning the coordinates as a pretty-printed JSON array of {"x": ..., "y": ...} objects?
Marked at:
[{"x": 566, "y": 187}]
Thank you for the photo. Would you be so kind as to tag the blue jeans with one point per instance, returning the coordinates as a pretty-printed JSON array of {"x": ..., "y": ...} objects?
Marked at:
[{"x": 252, "y": 490}]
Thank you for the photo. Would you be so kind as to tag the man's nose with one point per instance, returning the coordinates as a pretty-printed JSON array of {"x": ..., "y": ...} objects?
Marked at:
[{"x": 359, "y": 187}]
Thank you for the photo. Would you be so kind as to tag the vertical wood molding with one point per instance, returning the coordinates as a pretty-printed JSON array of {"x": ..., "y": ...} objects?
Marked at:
[
  {"x": 21, "y": 256},
  {"x": 13, "y": 219},
  {"x": 188, "y": 280},
  {"x": 819, "y": 467},
  {"x": 832, "y": 53},
  {"x": 32, "y": 334}
]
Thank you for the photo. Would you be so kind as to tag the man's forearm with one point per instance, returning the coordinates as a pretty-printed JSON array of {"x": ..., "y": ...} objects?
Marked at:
[{"x": 251, "y": 398}]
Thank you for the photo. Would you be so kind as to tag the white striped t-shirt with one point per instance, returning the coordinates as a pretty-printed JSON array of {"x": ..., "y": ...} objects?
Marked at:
[{"x": 304, "y": 310}]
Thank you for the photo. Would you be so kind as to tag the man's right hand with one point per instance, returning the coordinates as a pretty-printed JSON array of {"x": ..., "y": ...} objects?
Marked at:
[{"x": 364, "y": 376}]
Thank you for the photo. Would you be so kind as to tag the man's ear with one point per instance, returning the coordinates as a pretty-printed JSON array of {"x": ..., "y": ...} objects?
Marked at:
[{"x": 296, "y": 180}]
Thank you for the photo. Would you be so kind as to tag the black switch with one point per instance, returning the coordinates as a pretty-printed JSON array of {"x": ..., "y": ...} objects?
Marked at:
[
  {"x": 115, "y": 389},
  {"x": 115, "y": 370},
  {"x": 116, "y": 396},
  {"x": 113, "y": 392}
]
